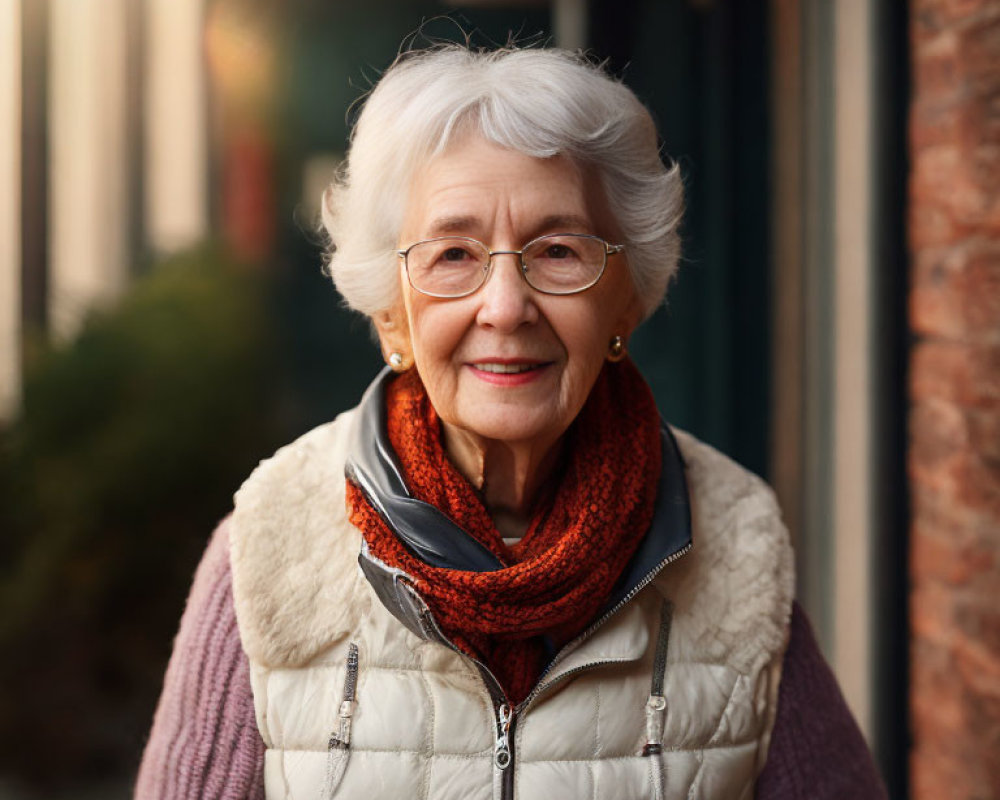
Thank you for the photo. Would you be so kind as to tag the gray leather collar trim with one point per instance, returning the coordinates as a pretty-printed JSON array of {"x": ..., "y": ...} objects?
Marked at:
[
  {"x": 395, "y": 589},
  {"x": 373, "y": 467},
  {"x": 437, "y": 540}
]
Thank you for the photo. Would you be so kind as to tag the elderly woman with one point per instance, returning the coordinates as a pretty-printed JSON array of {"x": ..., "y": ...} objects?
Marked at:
[{"x": 558, "y": 595}]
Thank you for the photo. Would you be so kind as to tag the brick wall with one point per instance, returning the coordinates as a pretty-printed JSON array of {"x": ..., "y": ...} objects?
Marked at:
[{"x": 954, "y": 457}]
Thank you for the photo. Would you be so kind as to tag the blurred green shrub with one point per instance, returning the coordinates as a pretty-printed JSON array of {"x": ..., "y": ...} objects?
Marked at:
[{"x": 131, "y": 442}]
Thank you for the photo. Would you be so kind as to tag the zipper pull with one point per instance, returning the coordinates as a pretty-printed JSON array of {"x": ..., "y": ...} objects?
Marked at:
[
  {"x": 342, "y": 739},
  {"x": 501, "y": 753},
  {"x": 656, "y": 709}
]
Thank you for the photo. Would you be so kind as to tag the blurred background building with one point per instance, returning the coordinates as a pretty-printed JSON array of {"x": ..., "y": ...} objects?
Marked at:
[{"x": 164, "y": 323}]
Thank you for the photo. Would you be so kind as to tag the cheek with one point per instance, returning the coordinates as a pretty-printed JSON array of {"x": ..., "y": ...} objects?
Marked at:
[
  {"x": 589, "y": 351},
  {"x": 434, "y": 332},
  {"x": 586, "y": 334}
]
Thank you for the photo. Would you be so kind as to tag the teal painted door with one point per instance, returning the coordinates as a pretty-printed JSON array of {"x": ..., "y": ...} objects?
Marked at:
[{"x": 701, "y": 69}]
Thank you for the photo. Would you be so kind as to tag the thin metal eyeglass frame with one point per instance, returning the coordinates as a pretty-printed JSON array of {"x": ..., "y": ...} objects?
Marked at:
[{"x": 609, "y": 250}]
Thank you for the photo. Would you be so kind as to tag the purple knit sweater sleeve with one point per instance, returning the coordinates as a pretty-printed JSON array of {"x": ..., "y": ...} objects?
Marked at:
[
  {"x": 817, "y": 751},
  {"x": 204, "y": 743}
]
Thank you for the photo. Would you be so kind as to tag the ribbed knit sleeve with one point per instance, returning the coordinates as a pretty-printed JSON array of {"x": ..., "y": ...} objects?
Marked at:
[
  {"x": 204, "y": 743},
  {"x": 817, "y": 751}
]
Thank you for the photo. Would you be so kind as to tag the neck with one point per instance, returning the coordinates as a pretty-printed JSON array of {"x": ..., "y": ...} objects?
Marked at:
[{"x": 509, "y": 474}]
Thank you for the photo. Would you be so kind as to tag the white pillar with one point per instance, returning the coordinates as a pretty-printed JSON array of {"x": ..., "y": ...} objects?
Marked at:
[
  {"x": 88, "y": 163},
  {"x": 788, "y": 214},
  {"x": 176, "y": 151},
  {"x": 10, "y": 216},
  {"x": 853, "y": 401},
  {"x": 827, "y": 442}
]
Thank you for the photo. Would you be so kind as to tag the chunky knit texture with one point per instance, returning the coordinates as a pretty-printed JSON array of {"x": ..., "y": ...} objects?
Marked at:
[
  {"x": 816, "y": 747},
  {"x": 579, "y": 540},
  {"x": 204, "y": 744}
]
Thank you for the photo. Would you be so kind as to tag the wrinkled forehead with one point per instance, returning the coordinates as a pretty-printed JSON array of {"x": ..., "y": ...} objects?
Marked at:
[{"x": 475, "y": 186}]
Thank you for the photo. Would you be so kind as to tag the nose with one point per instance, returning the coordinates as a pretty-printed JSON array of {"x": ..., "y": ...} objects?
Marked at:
[{"x": 506, "y": 301}]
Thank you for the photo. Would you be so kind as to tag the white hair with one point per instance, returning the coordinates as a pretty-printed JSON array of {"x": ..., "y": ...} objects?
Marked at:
[{"x": 540, "y": 102}]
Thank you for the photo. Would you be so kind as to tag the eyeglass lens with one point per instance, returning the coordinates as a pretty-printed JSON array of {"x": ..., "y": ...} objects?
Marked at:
[{"x": 557, "y": 264}]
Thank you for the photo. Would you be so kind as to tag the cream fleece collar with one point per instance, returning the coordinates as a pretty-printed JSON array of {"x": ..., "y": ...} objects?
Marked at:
[{"x": 298, "y": 588}]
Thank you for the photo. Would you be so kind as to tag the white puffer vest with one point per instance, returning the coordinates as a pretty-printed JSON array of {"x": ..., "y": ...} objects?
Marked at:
[{"x": 672, "y": 696}]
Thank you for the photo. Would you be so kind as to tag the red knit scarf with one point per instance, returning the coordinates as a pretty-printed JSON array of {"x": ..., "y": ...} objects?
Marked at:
[{"x": 579, "y": 540}]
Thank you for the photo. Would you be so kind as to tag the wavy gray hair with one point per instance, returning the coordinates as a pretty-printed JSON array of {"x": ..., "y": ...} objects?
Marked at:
[{"x": 540, "y": 102}]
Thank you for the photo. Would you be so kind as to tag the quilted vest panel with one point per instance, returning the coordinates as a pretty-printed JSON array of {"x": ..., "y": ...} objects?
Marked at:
[
  {"x": 421, "y": 720},
  {"x": 423, "y": 723}
]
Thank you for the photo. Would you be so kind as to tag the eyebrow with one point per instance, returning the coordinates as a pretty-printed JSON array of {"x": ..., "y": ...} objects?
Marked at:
[
  {"x": 567, "y": 223},
  {"x": 452, "y": 224},
  {"x": 462, "y": 224}
]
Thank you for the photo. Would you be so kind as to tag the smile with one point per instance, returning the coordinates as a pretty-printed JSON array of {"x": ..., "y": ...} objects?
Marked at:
[
  {"x": 506, "y": 369},
  {"x": 510, "y": 373}
]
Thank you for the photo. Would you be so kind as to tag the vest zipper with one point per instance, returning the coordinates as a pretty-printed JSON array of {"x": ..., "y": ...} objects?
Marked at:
[
  {"x": 338, "y": 748},
  {"x": 593, "y": 627},
  {"x": 504, "y": 754},
  {"x": 350, "y": 690},
  {"x": 656, "y": 705},
  {"x": 501, "y": 752},
  {"x": 503, "y": 747},
  {"x": 506, "y": 721}
]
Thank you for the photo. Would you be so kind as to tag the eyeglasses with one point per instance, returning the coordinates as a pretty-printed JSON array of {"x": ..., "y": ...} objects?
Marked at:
[{"x": 457, "y": 266}]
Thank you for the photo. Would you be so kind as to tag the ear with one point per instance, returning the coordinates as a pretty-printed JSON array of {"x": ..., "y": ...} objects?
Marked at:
[
  {"x": 393, "y": 328},
  {"x": 630, "y": 316}
]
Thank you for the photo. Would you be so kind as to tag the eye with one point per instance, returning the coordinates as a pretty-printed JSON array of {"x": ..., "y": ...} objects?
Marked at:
[
  {"x": 558, "y": 252},
  {"x": 455, "y": 254}
]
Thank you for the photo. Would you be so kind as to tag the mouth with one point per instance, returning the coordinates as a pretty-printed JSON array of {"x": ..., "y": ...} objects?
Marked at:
[
  {"x": 506, "y": 369},
  {"x": 509, "y": 372}
]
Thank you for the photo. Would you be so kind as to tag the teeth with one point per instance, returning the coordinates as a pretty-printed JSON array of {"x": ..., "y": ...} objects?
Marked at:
[{"x": 506, "y": 369}]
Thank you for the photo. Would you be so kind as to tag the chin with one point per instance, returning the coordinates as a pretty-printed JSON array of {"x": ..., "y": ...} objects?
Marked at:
[{"x": 513, "y": 425}]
